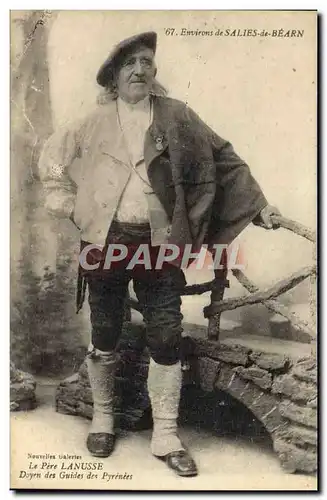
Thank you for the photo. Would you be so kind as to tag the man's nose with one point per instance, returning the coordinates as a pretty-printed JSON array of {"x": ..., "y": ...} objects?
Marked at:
[{"x": 138, "y": 68}]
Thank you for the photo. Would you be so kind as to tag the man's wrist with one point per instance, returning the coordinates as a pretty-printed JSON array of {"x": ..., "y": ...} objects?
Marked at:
[{"x": 258, "y": 219}]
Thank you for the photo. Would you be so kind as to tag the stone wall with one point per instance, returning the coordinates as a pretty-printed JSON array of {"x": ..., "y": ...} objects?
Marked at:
[{"x": 280, "y": 389}]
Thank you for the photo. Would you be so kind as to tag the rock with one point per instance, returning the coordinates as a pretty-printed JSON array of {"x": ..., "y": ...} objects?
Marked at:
[
  {"x": 271, "y": 361},
  {"x": 70, "y": 380},
  {"x": 266, "y": 408},
  {"x": 313, "y": 403},
  {"x": 263, "y": 405},
  {"x": 299, "y": 414},
  {"x": 296, "y": 390},
  {"x": 294, "y": 458},
  {"x": 298, "y": 435},
  {"x": 257, "y": 375},
  {"x": 86, "y": 394},
  {"x": 22, "y": 390},
  {"x": 66, "y": 408},
  {"x": 306, "y": 370},
  {"x": 272, "y": 420},
  {"x": 85, "y": 410},
  {"x": 280, "y": 327},
  {"x": 225, "y": 377},
  {"x": 208, "y": 370},
  {"x": 234, "y": 354},
  {"x": 82, "y": 375},
  {"x": 13, "y": 406}
]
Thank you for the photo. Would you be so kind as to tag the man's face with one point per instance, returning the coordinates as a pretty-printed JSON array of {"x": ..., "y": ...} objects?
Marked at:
[{"x": 136, "y": 75}]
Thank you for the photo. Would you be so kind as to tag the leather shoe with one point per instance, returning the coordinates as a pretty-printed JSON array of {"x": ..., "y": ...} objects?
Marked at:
[
  {"x": 181, "y": 462},
  {"x": 100, "y": 444}
]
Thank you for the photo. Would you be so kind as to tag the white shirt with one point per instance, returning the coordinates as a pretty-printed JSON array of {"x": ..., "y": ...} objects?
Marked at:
[{"x": 135, "y": 120}]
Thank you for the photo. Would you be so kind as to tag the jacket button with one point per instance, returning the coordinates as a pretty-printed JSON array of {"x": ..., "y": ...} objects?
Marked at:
[
  {"x": 104, "y": 205},
  {"x": 168, "y": 230}
]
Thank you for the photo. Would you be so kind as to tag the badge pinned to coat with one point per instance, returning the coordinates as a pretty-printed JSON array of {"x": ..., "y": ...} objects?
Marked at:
[{"x": 159, "y": 143}]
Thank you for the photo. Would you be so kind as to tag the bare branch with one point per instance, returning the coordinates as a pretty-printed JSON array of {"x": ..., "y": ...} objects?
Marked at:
[
  {"x": 261, "y": 296},
  {"x": 274, "y": 305},
  {"x": 295, "y": 227}
]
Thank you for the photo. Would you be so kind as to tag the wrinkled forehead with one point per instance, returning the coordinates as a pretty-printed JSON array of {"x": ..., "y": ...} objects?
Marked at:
[{"x": 136, "y": 51}]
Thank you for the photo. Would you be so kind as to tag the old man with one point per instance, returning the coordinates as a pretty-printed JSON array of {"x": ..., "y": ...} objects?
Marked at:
[{"x": 150, "y": 172}]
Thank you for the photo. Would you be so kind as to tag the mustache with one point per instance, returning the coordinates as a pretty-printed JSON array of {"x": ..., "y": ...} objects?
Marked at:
[{"x": 138, "y": 80}]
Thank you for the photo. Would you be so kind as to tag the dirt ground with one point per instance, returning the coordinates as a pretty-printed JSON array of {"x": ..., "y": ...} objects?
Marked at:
[{"x": 225, "y": 463}]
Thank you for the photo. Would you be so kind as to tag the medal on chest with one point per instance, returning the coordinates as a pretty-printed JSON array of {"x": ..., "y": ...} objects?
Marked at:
[{"x": 159, "y": 145}]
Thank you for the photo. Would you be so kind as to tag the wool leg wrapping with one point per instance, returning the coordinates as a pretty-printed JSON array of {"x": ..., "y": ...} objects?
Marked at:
[
  {"x": 101, "y": 369},
  {"x": 164, "y": 386}
]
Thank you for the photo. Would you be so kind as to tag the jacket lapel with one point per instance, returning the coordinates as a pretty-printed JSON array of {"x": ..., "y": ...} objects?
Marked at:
[
  {"x": 110, "y": 138},
  {"x": 156, "y": 141}
]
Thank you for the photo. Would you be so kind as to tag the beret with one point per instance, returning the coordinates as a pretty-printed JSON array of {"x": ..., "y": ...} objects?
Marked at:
[{"x": 119, "y": 52}]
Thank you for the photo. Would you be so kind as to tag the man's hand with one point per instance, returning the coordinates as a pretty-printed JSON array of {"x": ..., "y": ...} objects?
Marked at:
[{"x": 263, "y": 219}]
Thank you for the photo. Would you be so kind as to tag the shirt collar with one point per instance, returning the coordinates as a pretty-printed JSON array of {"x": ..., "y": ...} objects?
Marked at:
[{"x": 142, "y": 106}]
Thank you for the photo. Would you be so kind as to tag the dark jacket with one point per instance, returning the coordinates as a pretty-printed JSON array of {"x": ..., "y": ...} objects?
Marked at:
[{"x": 207, "y": 190}]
